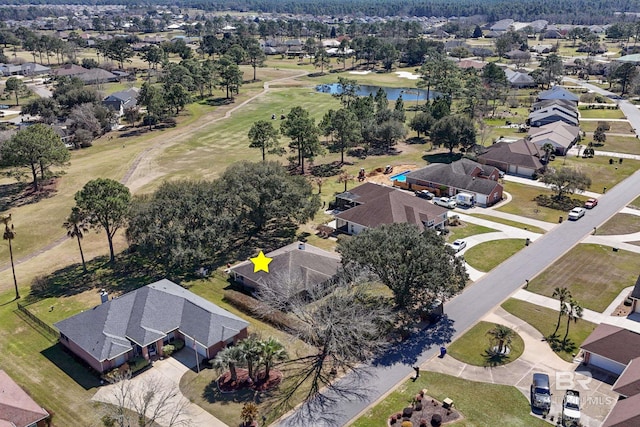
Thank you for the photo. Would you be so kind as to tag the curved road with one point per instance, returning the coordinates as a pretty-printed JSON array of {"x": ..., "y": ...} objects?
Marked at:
[{"x": 465, "y": 310}]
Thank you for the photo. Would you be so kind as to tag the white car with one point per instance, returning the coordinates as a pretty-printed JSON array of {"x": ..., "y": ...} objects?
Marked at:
[
  {"x": 576, "y": 213},
  {"x": 571, "y": 408},
  {"x": 459, "y": 245},
  {"x": 445, "y": 202}
]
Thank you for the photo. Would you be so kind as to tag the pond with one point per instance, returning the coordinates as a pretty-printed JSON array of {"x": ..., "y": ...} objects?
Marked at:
[{"x": 408, "y": 94}]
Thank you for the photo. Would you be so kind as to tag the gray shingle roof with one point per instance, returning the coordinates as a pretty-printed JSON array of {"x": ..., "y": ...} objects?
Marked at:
[
  {"x": 147, "y": 315},
  {"x": 557, "y": 92},
  {"x": 521, "y": 153},
  {"x": 457, "y": 175}
]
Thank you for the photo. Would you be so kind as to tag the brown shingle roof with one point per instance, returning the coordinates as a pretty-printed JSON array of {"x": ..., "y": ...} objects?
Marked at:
[
  {"x": 625, "y": 413},
  {"x": 628, "y": 384},
  {"x": 614, "y": 343},
  {"x": 460, "y": 174},
  {"x": 16, "y": 406},
  {"x": 391, "y": 207},
  {"x": 521, "y": 153}
]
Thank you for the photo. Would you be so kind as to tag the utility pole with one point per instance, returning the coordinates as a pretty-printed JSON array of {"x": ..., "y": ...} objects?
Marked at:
[{"x": 10, "y": 234}]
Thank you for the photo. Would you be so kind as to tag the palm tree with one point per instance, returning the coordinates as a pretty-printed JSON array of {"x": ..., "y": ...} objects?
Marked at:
[
  {"x": 574, "y": 312},
  {"x": 10, "y": 234},
  {"x": 503, "y": 335},
  {"x": 228, "y": 358},
  {"x": 76, "y": 225},
  {"x": 251, "y": 350},
  {"x": 272, "y": 351},
  {"x": 563, "y": 295},
  {"x": 249, "y": 413},
  {"x": 548, "y": 148}
]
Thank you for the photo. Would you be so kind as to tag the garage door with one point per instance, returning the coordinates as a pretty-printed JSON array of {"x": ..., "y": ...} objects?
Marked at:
[
  {"x": 606, "y": 364},
  {"x": 188, "y": 342}
]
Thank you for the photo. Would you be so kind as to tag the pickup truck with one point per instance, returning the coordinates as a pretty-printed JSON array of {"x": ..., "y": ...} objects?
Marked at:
[
  {"x": 445, "y": 202},
  {"x": 571, "y": 408}
]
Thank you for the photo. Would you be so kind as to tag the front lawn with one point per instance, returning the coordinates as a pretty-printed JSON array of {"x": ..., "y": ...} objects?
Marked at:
[
  {"x": 616, "y": 127},
  {"x": 472, "y": 347},
  {"x": 581, "y": 271},
  {"x": 524, "y": 204},
  {"x": 635, "y": 203},
  {"x": 508, "y": 222},
  {"x": 544, "y": 320},
  {"x": 620, "y": 223},
  {"x": 486, "y": 256},
  {"x": 618, "y": 144},
  {"x": 601, "y": 113},
  {"x": 481, "y": 404},
  {"x": 466, "y": 229},
  {"x": 602, "y": 173}
]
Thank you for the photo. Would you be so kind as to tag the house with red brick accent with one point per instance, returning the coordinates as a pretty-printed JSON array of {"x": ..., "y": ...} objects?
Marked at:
[{"x": 17, "y": 408}]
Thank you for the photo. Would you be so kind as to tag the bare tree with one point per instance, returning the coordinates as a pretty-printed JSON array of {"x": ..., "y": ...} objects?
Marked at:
[
  {"x": 153, "y": 401},
  {"x": 343, "y": 322}
]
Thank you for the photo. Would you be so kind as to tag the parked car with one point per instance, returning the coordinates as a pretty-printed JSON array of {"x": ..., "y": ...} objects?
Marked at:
[
  {"x": 445, "y": 202},
  {"x": 571, "y": 408},
  {"x": 591, "y": 203},
  {"x": 459, "y": 245},
  {"x": 576, "y": 213},
  {"x": 425, "y": 194},
  {"x": 541, "y": 392}
]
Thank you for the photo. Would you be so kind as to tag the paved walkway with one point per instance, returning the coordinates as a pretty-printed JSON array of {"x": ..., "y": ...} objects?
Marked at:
[
  {"x": 537, "y": 357},
  {"x": 166, "y": 374}
]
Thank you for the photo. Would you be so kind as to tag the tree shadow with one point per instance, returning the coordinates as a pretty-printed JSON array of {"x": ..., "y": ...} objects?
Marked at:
[
  {"x": 416, "y": 140},
  {"x": 22, "y": 193},
  {"x": 72, "y": 366},
  {"x": 327, "y": 169},
  {"x": 408, "y": 351},
  {"x": 135, "y": 132},
  {"x": 217, "y": 102},
  {"x": 493, "y": 358},
  {"x": 442, "y": 157}
]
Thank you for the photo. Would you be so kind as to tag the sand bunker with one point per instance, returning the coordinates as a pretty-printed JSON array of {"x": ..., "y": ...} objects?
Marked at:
[{"x": 407, "y": 75}]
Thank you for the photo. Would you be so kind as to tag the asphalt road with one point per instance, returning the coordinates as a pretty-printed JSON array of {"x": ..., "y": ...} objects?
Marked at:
[{"x": 462, "y": 312}]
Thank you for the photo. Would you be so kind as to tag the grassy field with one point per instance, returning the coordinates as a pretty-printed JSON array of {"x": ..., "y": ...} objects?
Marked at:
[
  {"x": 499, "y": 405},
  {"x": 620, "y": 144},
  {"x": 523, "y": 202},
  {"x": 488, "y": 255},
  {"x": 515, "y": 224},
  {"x": 616, "y": 127},
  {"x": 635, "y": 203},
  {"x": 466, "y": 229},
  {"x": 581, "y": 271},
  {"x": 472, "y": 347},
  {"x": 544, "y": 320},
  {"x": 601, "y": 113},
  {"x": 602, "y": 174},
  {"x": 620, "y": 223}
]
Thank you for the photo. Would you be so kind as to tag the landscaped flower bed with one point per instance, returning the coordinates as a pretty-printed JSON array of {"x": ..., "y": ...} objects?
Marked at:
[{"x": 424, "y": 412}]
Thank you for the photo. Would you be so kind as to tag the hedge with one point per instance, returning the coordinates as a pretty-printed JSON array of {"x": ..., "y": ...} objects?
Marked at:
[{"x": 254, "y": 307}]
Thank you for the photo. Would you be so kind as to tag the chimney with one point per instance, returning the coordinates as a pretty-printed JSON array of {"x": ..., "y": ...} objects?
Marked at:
[
  {"x": 104, "y": 296},
  {"x": 301, "y": 246}
]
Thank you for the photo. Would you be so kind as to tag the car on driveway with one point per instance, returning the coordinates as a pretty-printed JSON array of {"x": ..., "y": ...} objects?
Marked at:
[
  {"x": 459, "y": 245},
  {"x": 445, "y": 202},
  {"x": 541, "y": 392},
  {"x": 576, "y": 213},
  {"x": 425, "y": 194},
  {"x": 591, "y": 203},
  {"x": 571, "y": 408}
]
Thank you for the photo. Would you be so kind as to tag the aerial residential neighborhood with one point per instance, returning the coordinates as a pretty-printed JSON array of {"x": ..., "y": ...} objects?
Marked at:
[{"x": 320, "y": 213}]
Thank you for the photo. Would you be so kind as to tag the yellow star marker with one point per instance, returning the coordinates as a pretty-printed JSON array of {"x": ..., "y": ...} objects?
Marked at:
[{"x": 261, "y": 263}]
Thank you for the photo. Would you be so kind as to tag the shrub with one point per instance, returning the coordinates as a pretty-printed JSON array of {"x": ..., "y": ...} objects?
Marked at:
[
  {"x": 138, "y": 363},
  {"x": 407, "y": 412},
  {"x": 436, "y": 420},
  {"x": 418, "y": 406},
  {"x": 406, "y": 423},
  {"x": 178, "y": 344},
  {"x": 39, "y": 285},
  {"x": 168, "y": 350}
]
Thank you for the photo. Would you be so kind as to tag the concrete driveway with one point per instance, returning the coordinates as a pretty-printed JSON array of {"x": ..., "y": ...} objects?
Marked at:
[
  {"x": 168, "y": 373},
  {"x": 597, "y": 398}
]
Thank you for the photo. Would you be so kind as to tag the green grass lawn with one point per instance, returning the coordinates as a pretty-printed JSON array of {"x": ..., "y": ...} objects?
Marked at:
[
  {"x": 635, "y": 203},
  {"x": 515, "y": 224},
  {"x": 581, "y": 271},
  {"x": 488, "y": 255},
  {"x": 523, "y": 202},
  {"x": 620, "y": 223},
  {"x": 466, "y": 229},
  {"x": 601, "y": 113},
  {"x": 616, "y": 127},
  {"x": 481, "y": 404},
  {"x": 544, "y": 320},
  {"x": 472, "y": 347},
  {"x": 619, "y": 144},
  {"x": 602, "y": 174}
]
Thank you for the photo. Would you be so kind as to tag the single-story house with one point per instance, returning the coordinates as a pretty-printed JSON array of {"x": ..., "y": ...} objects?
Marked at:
[
  {"x": 518, "y": 79},
  {"x": 558, "y": 92},
  {"x": 119, "y": 101},
  {"x": 97, "y": 75},
  {"x": 631, "y": 59},
  {"x": 371, "y": 205},
  {"x": 559, "y": 134},
  {"x": 625, "y": 413},
  {"x": 140, "y": 322},
  {"x": 611, "y": 348},
  {"x": 521, "y": 158},
  {"x": 26, "y": 69},
  {"x": 471, "y": 63},
  {"x": 17, "y": 408},
  {"x": 568, "y": 105},
  {"x": 548, "y": 115},
  {"x": 635, "y": 296},
  {"x": 298, "y": 261},
  {"x": 462, "y": 176},
  {"x": 502, "y": 25},
  {"x": 69, "y": 70},
  {"x": 541, "y": 48}
]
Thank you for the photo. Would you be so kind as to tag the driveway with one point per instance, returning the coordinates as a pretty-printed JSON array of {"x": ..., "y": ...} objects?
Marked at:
[
  {"x": 597, "y": 398},
  {"x": 166, "y": 372}
]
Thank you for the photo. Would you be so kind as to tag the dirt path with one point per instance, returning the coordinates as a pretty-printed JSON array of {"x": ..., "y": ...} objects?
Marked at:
[{"x": 142, "y": 170}]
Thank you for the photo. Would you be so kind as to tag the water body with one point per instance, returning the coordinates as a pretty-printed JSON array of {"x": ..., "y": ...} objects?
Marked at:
[{"x": 408, "y": 94}]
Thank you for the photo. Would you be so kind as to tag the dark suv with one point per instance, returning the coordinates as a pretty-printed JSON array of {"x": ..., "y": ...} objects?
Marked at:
[{"x": 541, "y": 392}]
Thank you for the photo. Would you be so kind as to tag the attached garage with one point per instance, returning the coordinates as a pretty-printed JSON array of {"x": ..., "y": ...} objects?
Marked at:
[
  {"x": 606, "y": 364},
  {"x": 202, "y": 351}
]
